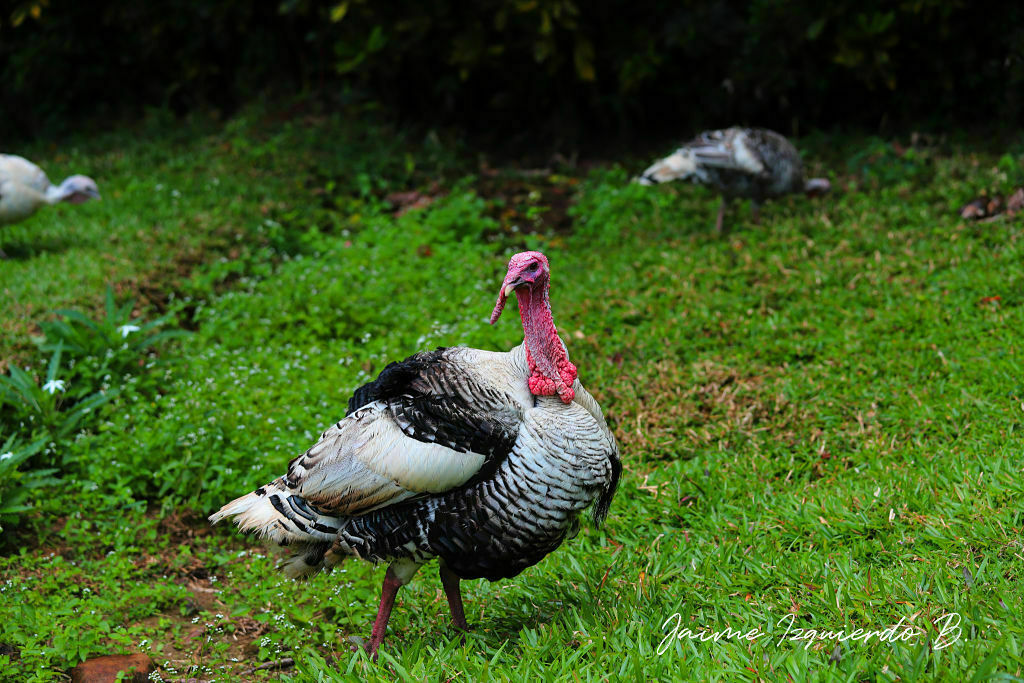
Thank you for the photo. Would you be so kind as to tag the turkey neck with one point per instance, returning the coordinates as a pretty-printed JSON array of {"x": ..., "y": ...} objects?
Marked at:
[
  {"x": 54, "y": 195},
  {"x": 546, "y": 350}
]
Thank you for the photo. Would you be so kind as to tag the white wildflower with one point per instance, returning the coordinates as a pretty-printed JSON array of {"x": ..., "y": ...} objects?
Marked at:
[
  {"x": 6, "y": 456},
  {"x": 53, "y": 386},
  {"x": 125, "y": 330}
]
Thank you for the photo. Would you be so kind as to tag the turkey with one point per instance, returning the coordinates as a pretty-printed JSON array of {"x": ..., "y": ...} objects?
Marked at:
[
  {"x": 24, "y": 188},
  {"x": 478, "y": 458},
  {"x": 753, "y": 163}
]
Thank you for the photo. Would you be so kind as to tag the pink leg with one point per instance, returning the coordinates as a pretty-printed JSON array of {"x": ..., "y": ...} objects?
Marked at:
[
  {"x": 387, "y": 601},
  {"x": 719, "y": 222},
  {"x": 755, "y": 213},
  {"x": 451, "y": 589}
]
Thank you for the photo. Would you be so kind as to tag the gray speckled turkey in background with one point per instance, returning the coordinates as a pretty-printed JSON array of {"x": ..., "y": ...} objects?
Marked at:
[{"x": 749, "y": 163}]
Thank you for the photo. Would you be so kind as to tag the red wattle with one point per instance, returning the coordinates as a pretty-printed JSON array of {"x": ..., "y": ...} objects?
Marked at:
[
  {"x": 551, "y": 372},
  {"x": 540, "y": 385}
]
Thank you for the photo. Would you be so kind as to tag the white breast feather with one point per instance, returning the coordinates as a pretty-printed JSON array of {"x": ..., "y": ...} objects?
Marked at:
[{"x": 563, "y": 444}]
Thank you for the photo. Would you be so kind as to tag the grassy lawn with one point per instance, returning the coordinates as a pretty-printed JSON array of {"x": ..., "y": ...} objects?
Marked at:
[{"x": 821, "y": 417}]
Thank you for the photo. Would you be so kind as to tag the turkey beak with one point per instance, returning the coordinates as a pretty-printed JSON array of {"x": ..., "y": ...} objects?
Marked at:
[{"x": 507, "y": 288}]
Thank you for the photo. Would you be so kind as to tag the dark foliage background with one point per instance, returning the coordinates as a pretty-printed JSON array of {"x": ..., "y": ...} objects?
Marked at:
[{"x": 561, "y": 69}]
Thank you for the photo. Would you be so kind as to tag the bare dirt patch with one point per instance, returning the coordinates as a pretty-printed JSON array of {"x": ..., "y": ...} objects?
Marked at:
[
  {"x": 684, "y": 408},
  {"x": 188, "y": 645}
]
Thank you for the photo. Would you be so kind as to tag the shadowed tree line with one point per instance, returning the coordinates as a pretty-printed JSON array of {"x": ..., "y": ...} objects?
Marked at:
[{"x": 560, "y": 68}]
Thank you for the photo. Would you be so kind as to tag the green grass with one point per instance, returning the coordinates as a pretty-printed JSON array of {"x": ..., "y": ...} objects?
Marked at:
[{"x": 821, "y": 416}]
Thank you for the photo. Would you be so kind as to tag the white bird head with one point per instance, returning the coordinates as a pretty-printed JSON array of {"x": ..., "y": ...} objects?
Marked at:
[{"x": 78, "y": 188}]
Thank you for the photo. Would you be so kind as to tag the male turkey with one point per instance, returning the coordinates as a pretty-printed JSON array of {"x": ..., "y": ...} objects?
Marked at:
[
  {"x": 753, "y": 163},
  {"x": 24, "y": 188},
  {"x": 478, "y": 458}
]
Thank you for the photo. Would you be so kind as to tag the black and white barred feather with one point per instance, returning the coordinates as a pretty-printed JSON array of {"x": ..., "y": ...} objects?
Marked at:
[{"x": 446, "y": 454}]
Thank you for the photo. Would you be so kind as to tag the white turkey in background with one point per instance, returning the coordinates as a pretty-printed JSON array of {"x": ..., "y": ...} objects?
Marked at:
[
  {"x": 24, "y": 189},
  {"x": 751, "y": 163}
]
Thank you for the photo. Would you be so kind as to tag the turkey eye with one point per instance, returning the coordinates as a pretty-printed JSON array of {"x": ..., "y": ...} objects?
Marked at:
[{"x": 533, "y": 268}]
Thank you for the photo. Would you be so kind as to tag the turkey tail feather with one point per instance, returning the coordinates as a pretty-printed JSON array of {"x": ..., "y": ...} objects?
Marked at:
[
  {"x": 604, "y": 502},
  {"x": 272, "y": 512},
  {"x": 679, "y": 165}
]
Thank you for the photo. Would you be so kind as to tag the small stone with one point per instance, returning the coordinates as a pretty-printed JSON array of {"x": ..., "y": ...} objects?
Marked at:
[{"x": 105, "y": 669}]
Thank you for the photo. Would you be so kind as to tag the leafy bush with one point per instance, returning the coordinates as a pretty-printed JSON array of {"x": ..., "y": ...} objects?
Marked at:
[
  {"x": 608, "y": 197},
  {"x": 512, "y": 68},
  {"x": 16, "y": 486},
  {"x": 53, "y": 410},
  {"x": 107, "y": 358},
  {"x": 105, "y": 351},
  {"x": 882, "y": 163}
]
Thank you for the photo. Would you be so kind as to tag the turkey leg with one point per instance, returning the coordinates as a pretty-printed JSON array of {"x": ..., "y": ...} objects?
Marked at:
[
  {"x": 451, "y": 589},
  {"x": 387, "y": 600},
  {"x": 720, "y": 221}
]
